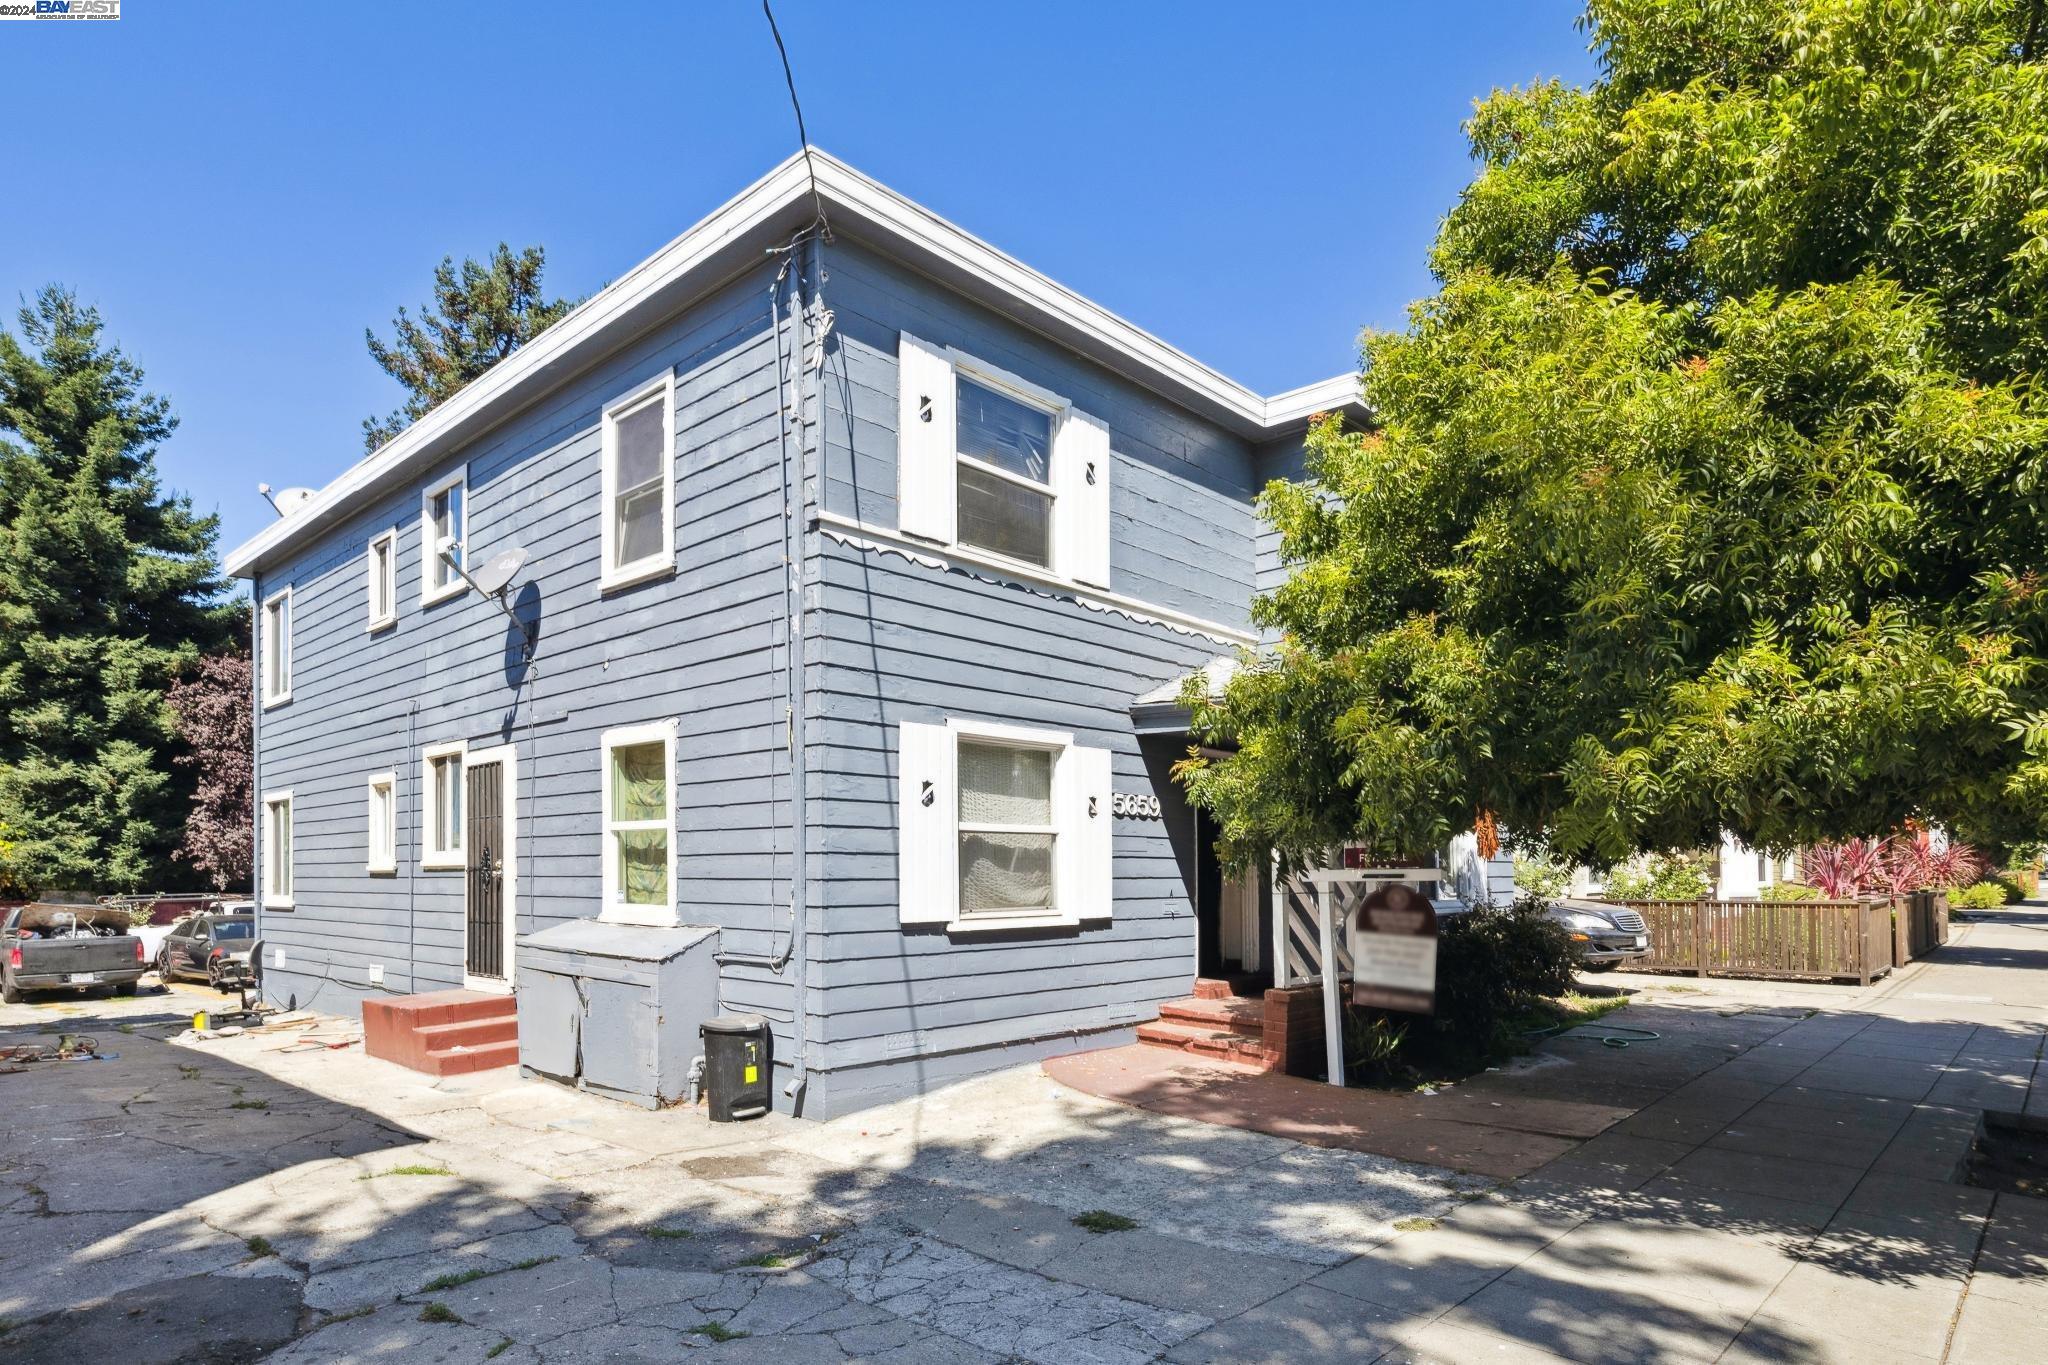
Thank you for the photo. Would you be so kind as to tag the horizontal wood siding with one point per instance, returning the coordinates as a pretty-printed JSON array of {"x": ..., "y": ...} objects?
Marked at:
[
  {"x": 1181, "y": 530},
  {"x": 702, "y": 646}
]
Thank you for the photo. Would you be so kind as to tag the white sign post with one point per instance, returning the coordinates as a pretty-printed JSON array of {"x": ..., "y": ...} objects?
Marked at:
[{"x": 1372, "y": 959}]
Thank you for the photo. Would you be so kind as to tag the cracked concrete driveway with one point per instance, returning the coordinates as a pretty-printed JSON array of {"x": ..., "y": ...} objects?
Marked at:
[{"x": 263, "y": 1197}]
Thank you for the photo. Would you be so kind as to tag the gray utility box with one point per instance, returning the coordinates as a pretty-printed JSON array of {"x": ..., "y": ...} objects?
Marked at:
[{"x": 614, "y": 1008}]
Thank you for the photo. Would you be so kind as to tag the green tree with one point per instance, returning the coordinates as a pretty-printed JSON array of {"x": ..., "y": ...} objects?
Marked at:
[
  {"x": 1707, "y": 491},
  {"x": 108, "y": 588},
  {"x": 481, "y": 313}
]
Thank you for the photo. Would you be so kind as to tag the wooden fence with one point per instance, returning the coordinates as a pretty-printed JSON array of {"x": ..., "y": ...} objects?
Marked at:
[{"x": 1841, "y": 940}]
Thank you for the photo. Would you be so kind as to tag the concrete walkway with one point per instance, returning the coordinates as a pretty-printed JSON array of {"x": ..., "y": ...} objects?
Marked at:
[{"x": 1772, "y": 1183}]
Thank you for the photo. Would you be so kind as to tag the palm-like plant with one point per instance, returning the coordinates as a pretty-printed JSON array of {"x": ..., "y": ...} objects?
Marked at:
[{"x": 1911, "y": 860}]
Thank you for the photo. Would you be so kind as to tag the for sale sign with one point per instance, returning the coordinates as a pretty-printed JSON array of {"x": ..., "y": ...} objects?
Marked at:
[{"x": 1393, "y": 951}]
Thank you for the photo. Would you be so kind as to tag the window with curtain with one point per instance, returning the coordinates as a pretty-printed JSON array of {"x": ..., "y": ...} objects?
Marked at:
[
  {"x": 1007, "y": 830},
  {"x": 1005, "y": 473},
  {"x": 637, "y": 823}
]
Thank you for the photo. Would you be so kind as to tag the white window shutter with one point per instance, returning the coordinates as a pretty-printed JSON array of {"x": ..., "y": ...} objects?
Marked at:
[
  {"x": 1081, "y": 465},
  {"x": 926, "y": 440},
  {"x": 1084, "y": 888},
  {"x": 927, "y": 836}
]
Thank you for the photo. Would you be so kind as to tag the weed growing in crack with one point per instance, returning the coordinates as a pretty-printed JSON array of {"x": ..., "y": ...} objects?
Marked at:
[
  {"x": 250, "y": 1104},
  {"x": 407, "y": 1170},
  {"x": 190, "y": 1073},
  {"x": 360, "y": 1312},
  {"x": 1416, "y": 1224},
  {"x": 456, "y": 1279},
  {"x": 717, "y": 1331},
  {"x": 767, "y": 1260},
  {"x": 504, "y": 1345},
  {"x": 1099, "y": 1221},
  {"x": 259, "y": 1247},
  {"x": 439, "y": 1312}
]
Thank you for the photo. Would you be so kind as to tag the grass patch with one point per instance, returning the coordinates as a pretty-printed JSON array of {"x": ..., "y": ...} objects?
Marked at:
[
  {"x": 504, "y": 1345},
  {"x": 439, "y": 1312},
  {"x": 767, "y": 1260},
  {"x": 407, "y": 1170},
  {"x": 1681, "y": 990},
  {"x": 362, "y": 1312},
  {"x": 669, "y": 1234},
  {"x": 1102, "y": 1220},
  {"x": 456, "y": 1279},
  {"x": 250, "y": 1104},
  {"x": 717, "y": 1331},
  {"x": 1416, "y": 1224},
  {"x": 259, "y": 1247}
]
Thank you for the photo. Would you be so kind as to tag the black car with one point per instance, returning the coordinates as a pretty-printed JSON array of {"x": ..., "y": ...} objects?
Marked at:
[
  {"x": 213, "y": 946},
  {"x": 1605, "y": 936}
]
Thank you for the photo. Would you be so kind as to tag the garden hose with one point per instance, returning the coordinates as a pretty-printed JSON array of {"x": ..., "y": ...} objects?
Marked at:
[{"x": 1609, "y": 1036}]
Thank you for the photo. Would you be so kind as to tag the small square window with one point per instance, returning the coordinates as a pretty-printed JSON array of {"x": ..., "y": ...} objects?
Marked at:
[
  {"x": 1005, "y": 473},
  {"x": 276, "y": 644}
]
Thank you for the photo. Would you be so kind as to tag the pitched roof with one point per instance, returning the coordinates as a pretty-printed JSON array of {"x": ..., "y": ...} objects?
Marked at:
[{"x": 729, "y": 240}]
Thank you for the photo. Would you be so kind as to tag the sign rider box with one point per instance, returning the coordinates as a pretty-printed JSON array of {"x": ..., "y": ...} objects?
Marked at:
[{"x": 1393, "y": 951}]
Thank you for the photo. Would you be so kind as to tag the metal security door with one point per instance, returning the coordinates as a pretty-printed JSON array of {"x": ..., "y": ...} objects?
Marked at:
[{"x": 484, "y": 841}]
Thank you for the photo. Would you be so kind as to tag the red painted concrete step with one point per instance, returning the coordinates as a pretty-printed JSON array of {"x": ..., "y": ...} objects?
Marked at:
[
  {"x": 1239, "y": 1014},
  {"x": 443, "y": 1033}
]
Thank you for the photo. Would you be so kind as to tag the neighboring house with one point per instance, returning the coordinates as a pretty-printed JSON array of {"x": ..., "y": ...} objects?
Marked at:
[{"x": 860, "y": 692}]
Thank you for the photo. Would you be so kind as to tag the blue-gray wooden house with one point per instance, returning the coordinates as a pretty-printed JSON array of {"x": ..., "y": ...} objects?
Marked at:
[{"x": 861, "y": 569}]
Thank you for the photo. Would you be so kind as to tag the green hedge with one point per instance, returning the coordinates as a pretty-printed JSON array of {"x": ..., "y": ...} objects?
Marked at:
[{"x": 1982, "y": 896}]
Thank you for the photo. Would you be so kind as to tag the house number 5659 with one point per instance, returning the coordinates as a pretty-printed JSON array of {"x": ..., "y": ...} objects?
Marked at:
[{"x": 1136, "y": 805}]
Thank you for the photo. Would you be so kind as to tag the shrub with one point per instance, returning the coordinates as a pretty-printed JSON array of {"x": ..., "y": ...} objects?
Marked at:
[
  {"x": 1661, "y": 877},
  {"x": 2017, "y": 886},
  {"x": 1492, "y": 967},
  {"x": 1789, "y": 891},
  {"x": 1979, "y": 896},
  {"x": 1541, "y": 877}
]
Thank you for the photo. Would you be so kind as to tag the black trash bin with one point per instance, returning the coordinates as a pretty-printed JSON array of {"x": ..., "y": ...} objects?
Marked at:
[{"x": 739, "y": 1059}]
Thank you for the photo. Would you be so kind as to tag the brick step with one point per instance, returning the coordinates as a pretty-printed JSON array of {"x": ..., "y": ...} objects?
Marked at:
[
  {"x": 1208, "y": 1042},
  {"x": 498, "y": 1028},
  {"x": 1239, "y": 1014},
  {"x": 1212, "y": 988},
  {"x": 461, "y": 1060}
]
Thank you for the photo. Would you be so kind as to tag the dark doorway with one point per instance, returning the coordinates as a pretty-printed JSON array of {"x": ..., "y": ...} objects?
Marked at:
[{"x": 484, "y": 835}]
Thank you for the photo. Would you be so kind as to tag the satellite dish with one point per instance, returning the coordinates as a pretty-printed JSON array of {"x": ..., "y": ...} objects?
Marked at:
[
  {"x": 497, "y": 571},
  {"x": 290, "y": 500}
]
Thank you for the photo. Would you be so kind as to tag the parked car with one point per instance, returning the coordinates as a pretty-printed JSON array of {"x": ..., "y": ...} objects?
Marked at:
[
  {"x": 68, "y": 947},
  {"x": 215, "y": 946},
  {"x": 1604, "y": 935}
]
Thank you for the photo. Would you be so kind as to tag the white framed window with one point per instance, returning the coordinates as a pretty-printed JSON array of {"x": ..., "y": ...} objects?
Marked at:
[
  {"x": 639, "y": 531},
  {"x": 441, "y": 776},
  {"x": 381, "y": 580},
  {"x": 275, "y": 642},
  {"x": 638, "y": 796},
  {"x": 380, "y": 799},
  {"x": 999, "y": 469},
  {"x": 277, "y": 851},
  {"x": 444, "y": 517},
  {"x": 1001, "y": 827}
]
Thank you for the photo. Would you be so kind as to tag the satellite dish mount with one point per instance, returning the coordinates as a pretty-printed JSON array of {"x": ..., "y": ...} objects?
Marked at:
[{"x": 492, "y": 580}]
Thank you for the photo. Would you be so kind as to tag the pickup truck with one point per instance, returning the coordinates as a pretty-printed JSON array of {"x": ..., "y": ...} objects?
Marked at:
[{"x": 68, "y": 947}]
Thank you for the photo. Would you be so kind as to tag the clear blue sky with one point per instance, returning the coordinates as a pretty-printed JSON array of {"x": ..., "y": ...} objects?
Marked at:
[{"x": 243, "y": 188}]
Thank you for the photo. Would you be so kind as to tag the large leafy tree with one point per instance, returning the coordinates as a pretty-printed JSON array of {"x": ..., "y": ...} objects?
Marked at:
[
  {"x": 1708, "y": 489},
  {"x": 108, "y": 588},
  {"x": 482, "y": 312}
]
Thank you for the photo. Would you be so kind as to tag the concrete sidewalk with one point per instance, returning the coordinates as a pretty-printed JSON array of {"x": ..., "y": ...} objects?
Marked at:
[{"x": 1769, "y": 1181}]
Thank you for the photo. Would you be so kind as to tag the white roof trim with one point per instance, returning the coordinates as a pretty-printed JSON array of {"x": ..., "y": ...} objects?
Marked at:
[{"x": 779, "y": 202}]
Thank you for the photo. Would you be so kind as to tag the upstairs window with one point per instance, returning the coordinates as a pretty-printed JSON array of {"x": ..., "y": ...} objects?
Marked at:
[
  {"x": 382, "y": 574},
  {"x": 382, "y": 841},
  {"x": 275, "y": 643},
  {"x": 444, "y": 510},
  {"x": 639, "y": 485},
  {"x": 998, "y": 469},
  {"x": 1005, "y": 474}
]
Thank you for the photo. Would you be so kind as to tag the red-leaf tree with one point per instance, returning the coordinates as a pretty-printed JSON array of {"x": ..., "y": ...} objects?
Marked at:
[{"x": 214, "y": 717}]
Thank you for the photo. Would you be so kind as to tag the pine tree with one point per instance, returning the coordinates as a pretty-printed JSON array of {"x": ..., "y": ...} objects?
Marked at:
[
  {"x": 481, "y": 313},
  {"x": 108, "y": 588}
]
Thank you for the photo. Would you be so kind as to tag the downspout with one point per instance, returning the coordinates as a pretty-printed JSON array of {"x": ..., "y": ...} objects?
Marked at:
[
  {"x": 794, "y": 671},
  {"x": 256, "y": 754}
]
